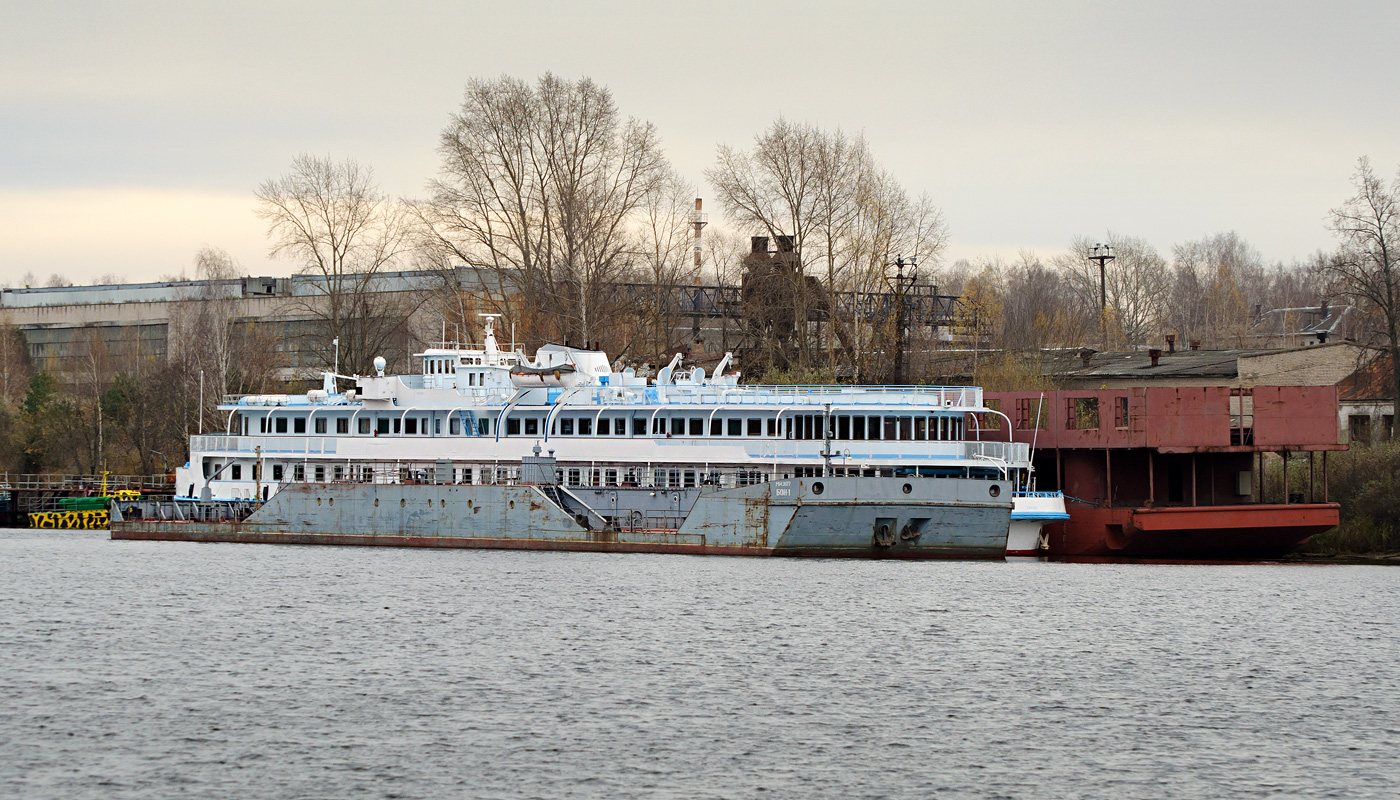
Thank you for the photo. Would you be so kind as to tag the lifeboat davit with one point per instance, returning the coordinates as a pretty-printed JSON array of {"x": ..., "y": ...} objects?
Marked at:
[{"x": 557, "y": 376}]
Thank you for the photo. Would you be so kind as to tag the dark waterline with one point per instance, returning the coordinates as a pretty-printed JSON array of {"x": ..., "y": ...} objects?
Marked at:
[{"x": 154, "y": 670}]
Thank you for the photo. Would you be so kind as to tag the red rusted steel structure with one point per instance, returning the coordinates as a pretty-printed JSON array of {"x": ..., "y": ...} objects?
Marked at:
[{"x": 1176, "y": 472}]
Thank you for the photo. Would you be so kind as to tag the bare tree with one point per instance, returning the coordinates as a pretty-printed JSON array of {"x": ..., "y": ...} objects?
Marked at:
[
  {"x": 1213, "y": 283},
  {"x": 665, "y": 244},
  {"x": 1367, "y": 264},
  {"x": 540, "y": 191},
  {"x": 332, "y": 220},
  {"x": 1136, "y": 286},
  {"x": 823, "y": 193}
]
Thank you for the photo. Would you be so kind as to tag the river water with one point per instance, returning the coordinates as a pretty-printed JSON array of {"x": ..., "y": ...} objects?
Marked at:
[{"x": 157, "y": 670}]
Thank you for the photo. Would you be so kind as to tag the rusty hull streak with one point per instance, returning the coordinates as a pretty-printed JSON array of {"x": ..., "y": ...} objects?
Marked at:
[{"x": 233, "y": 533}]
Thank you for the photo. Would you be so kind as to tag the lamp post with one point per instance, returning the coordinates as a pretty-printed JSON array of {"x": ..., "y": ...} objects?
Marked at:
[
  {"x": 901, "y": 284},
  {"x": 1102, "y": 253}
]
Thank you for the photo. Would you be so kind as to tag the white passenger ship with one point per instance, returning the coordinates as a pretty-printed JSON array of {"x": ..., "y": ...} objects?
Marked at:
[{"x": 474, "y": 415}]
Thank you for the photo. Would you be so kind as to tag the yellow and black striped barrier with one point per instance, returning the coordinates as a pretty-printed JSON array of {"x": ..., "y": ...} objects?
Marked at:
[{"x": 71, "y": 520}]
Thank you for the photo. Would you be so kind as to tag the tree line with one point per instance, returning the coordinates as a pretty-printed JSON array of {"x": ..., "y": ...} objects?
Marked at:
[{"x": 548, "y": 197}]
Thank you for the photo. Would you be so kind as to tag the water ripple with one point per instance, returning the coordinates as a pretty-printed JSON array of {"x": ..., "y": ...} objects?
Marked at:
[{"x": 151, "y": 670}]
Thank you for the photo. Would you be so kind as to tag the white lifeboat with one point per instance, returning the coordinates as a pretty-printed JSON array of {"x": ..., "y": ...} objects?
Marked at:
[{"x": 556, "y": 376}]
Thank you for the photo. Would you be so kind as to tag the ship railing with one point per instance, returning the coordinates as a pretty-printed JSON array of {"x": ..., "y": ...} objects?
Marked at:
[
  {"x": 1038, "y": 495},
  {"x": 960, "y": 397},
  {"x": 215, "y": 443},
  {"x": 1011, "y": 452},
  {"x": 83, "y": 483}
]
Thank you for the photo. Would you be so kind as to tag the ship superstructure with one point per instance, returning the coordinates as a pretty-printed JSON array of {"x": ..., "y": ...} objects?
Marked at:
[{"x": 472, "y": 415}]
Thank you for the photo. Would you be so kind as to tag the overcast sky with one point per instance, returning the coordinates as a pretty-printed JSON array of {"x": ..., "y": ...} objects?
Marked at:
[{"x": 133, "y": 133}]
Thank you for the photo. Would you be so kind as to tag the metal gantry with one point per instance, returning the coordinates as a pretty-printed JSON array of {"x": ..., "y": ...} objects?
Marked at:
[{"x": 923, "y": 306}]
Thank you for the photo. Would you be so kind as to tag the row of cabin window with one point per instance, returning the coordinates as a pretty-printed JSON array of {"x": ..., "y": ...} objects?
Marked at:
[{"x": 841, "y": 427}]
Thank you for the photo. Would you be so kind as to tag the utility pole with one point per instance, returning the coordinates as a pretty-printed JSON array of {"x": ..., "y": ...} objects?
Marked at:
[
  {"x": 1102, "y": 253},
  {"x": 901, "y": 284}
]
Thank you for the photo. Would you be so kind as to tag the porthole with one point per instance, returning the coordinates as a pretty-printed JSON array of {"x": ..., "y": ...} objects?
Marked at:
[
  {"x": 818, "y": 488},
  {"x": 512, "y": 504},
  {"x": 994, "y": 490},
  {"x": 402, "y": 502},
  {"x": 330, "y": 501},
  {"x": 908, "y": 488}
]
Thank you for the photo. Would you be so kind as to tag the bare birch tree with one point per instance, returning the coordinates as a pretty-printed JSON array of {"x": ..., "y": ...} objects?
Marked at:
[
  {"x": 539, "y": 191},
  {"x": 1136, "y": 286},
  {"x": 840, "y": 209},
  {"x": 333, "y": 221},
  {"x": 1367, "y": 265}
]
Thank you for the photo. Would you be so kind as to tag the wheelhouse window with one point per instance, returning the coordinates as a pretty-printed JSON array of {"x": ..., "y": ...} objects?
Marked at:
[
  {"x": 697, "y": 426},
  {"x": 639, "y": 426},
  {"x": 410, "y": 425},
  {"x": 279, "y": 425},
  {"x": 277, "y": 472},
  {"x": 299, "y": 425},
  {"x": 735, "y": 427},
  {"x": 320, "y": 424},
  {"x": 382, "y": 425},
  {"x": 678, "y": 426},
  {"x": 585, "y": 427},
  {"x": 342, "y": 424},
  {"x": 512, "y": 426},
  {"x": 236, "y": 472},
  {"x": 532, "y": 426},
  {"x": 454, "y": 426}
]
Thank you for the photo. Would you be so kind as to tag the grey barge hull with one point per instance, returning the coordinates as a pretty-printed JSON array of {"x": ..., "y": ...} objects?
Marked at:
[{"x": 857, "y": 517}]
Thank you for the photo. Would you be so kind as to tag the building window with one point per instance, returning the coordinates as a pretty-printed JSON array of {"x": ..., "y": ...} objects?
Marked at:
[
  {"x": 1387, "y": 427},
  {"x": 1120, "y": 413},
  {"x": 1359, "y": 428},
  {"x": 1030, "y": 414},
  {"x": 1082, "y": 414}
]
